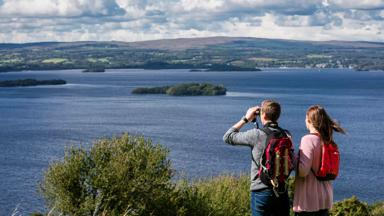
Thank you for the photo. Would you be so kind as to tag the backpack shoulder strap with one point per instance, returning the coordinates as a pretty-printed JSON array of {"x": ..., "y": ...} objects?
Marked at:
[
  {"x": 267, "y": 129},
  {"x": 287, "y": 133},
  {"x": 270, "y": 134},
  {"x": 280, "y": 131}
]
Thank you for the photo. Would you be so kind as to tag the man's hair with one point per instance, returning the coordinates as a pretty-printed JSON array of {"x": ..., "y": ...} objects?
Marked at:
[{"x": 271, "y": 109}]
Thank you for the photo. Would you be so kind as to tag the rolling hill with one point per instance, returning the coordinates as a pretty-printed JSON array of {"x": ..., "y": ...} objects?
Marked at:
[{"x": 241, "y": 52}]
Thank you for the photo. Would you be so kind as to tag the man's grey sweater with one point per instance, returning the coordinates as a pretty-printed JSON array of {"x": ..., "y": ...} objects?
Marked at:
[{"x": 256, "y": 139}]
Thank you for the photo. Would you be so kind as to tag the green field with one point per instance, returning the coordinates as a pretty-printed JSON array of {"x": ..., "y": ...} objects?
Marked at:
[
  {"x": 54, "y": 61},
  {"x": 98, "y": 60}
]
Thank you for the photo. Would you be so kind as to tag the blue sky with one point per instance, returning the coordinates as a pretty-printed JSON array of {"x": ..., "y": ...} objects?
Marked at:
[{"x": 138, "y": 20}]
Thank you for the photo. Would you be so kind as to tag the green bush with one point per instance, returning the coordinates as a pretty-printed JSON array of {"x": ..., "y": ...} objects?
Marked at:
[
  {"x": 190, "y": 200},
  {"x": 377, "y": 209},
  {"x": 125, "y": 175},
  {"x": 226, "y": 195},
  {"x": 350, "y": 207}
]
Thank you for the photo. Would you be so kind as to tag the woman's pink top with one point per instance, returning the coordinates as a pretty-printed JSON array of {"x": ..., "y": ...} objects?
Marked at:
[{"x": 310, "y": 193}]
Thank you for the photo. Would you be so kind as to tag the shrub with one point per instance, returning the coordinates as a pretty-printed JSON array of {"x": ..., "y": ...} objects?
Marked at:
[
  {"x": 191, "y": 201},
  {"x": 350, "y": 207},
  {"x": 123, "y": 175},
  {"x": 377, "y": 209},
  {"x": 226, "y": 195}
]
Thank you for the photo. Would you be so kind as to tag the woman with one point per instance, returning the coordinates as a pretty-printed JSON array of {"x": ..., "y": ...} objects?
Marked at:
[{"x": 314, "y": 197}]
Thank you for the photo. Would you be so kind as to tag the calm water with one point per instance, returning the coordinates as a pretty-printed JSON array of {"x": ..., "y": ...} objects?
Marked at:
[{"x": 36, "y": 123}]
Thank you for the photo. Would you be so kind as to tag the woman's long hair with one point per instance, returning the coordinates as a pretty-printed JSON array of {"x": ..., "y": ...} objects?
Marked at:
[{"x": 323, "y": 123}]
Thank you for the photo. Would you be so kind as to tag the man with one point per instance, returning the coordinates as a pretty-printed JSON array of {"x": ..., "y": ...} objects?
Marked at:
[{"x": 263, "y": 198}]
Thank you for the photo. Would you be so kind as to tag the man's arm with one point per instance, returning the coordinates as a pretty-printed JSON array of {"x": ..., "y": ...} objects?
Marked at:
[
  {"x": 240, "y": 123},
  {"x": 234, "y": 137}
]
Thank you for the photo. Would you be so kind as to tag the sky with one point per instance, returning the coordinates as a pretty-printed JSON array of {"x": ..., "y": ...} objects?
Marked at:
[{"x": 138, "y": 20}]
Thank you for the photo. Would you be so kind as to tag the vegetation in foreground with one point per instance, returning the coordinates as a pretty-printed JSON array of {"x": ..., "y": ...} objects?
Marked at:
[
  {"x": 31, "y": 82},
  {"x": 129, "y": 175},
  {"x": 186, "y": 89}
]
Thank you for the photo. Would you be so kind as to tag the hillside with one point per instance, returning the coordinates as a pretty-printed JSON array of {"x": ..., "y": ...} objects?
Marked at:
[{"x": 192, "y": 53}]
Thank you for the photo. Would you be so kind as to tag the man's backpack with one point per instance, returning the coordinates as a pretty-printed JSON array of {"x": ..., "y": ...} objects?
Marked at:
[
  {"x": 276, "y": 162},
  {"x": 329, "y": 164}
]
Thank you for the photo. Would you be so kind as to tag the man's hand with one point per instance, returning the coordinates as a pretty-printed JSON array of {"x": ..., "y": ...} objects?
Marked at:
[{"x": 251, "y": 113}]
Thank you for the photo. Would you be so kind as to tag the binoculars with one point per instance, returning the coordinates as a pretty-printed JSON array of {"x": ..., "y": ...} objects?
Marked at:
[{"x": 256, "y": 114}]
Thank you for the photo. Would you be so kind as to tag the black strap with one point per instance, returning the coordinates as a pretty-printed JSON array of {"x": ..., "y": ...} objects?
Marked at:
[
  {"x": 271, "y": 124},
  {"x": 274, "y": 125}
]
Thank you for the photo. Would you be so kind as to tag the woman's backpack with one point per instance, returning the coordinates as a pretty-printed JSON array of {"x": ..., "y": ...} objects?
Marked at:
[
  {"x": 329, "y": 164},
  {"x": 276, "y": 162}
]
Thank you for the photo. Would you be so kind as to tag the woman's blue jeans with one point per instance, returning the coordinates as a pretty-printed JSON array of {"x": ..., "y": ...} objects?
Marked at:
[{"x": 265, "y": 203}]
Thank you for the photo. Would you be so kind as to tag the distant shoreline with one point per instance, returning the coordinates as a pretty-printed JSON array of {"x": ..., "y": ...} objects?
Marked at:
[
  {"x": 188, "y": 69},
  {"x": 211, "y": 53},
  {"x": 30, "y": 82}
]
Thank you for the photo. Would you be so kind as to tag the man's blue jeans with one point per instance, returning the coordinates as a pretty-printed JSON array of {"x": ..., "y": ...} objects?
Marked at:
[{"x": 265, "y": 203}]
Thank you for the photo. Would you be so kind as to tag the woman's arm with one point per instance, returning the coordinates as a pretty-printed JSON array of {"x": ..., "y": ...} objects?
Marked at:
[{"x": 305, "y": 156}]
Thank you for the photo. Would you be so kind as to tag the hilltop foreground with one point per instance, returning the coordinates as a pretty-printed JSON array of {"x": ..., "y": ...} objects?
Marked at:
[
  {"x": 129, "y": 175},
  {"x": 240, "y": 53}
]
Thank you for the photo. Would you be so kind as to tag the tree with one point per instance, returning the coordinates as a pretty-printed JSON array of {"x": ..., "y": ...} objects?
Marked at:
[{"x": 122, "y": 175}]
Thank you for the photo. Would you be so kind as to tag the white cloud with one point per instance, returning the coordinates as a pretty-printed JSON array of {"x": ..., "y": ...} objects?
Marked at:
[
  {"x": 61, "y": 8},
  {"x": 207, "y": 5},
  {"x": 137, "y": 20},
  {"x": 359, "y": 4}
]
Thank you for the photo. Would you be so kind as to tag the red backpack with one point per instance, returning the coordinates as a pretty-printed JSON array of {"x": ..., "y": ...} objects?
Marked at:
[
  {"x": 329, "y": 164},
  {"x": 276, "y": 162}
]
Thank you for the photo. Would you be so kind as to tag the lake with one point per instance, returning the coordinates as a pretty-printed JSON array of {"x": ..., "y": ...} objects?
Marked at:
[{"x": 37, "y": 123}]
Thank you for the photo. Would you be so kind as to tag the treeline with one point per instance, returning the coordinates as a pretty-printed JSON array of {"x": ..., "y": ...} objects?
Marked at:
[
  {"x": 31, "y": 82},
  {"x": 151, "y": 90},
  {"x": 101, "y": 67},
  {"x": 129, "y": 175},
  {"x": 228, "y": 67},
  {"x": 186, "y": 89}
]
